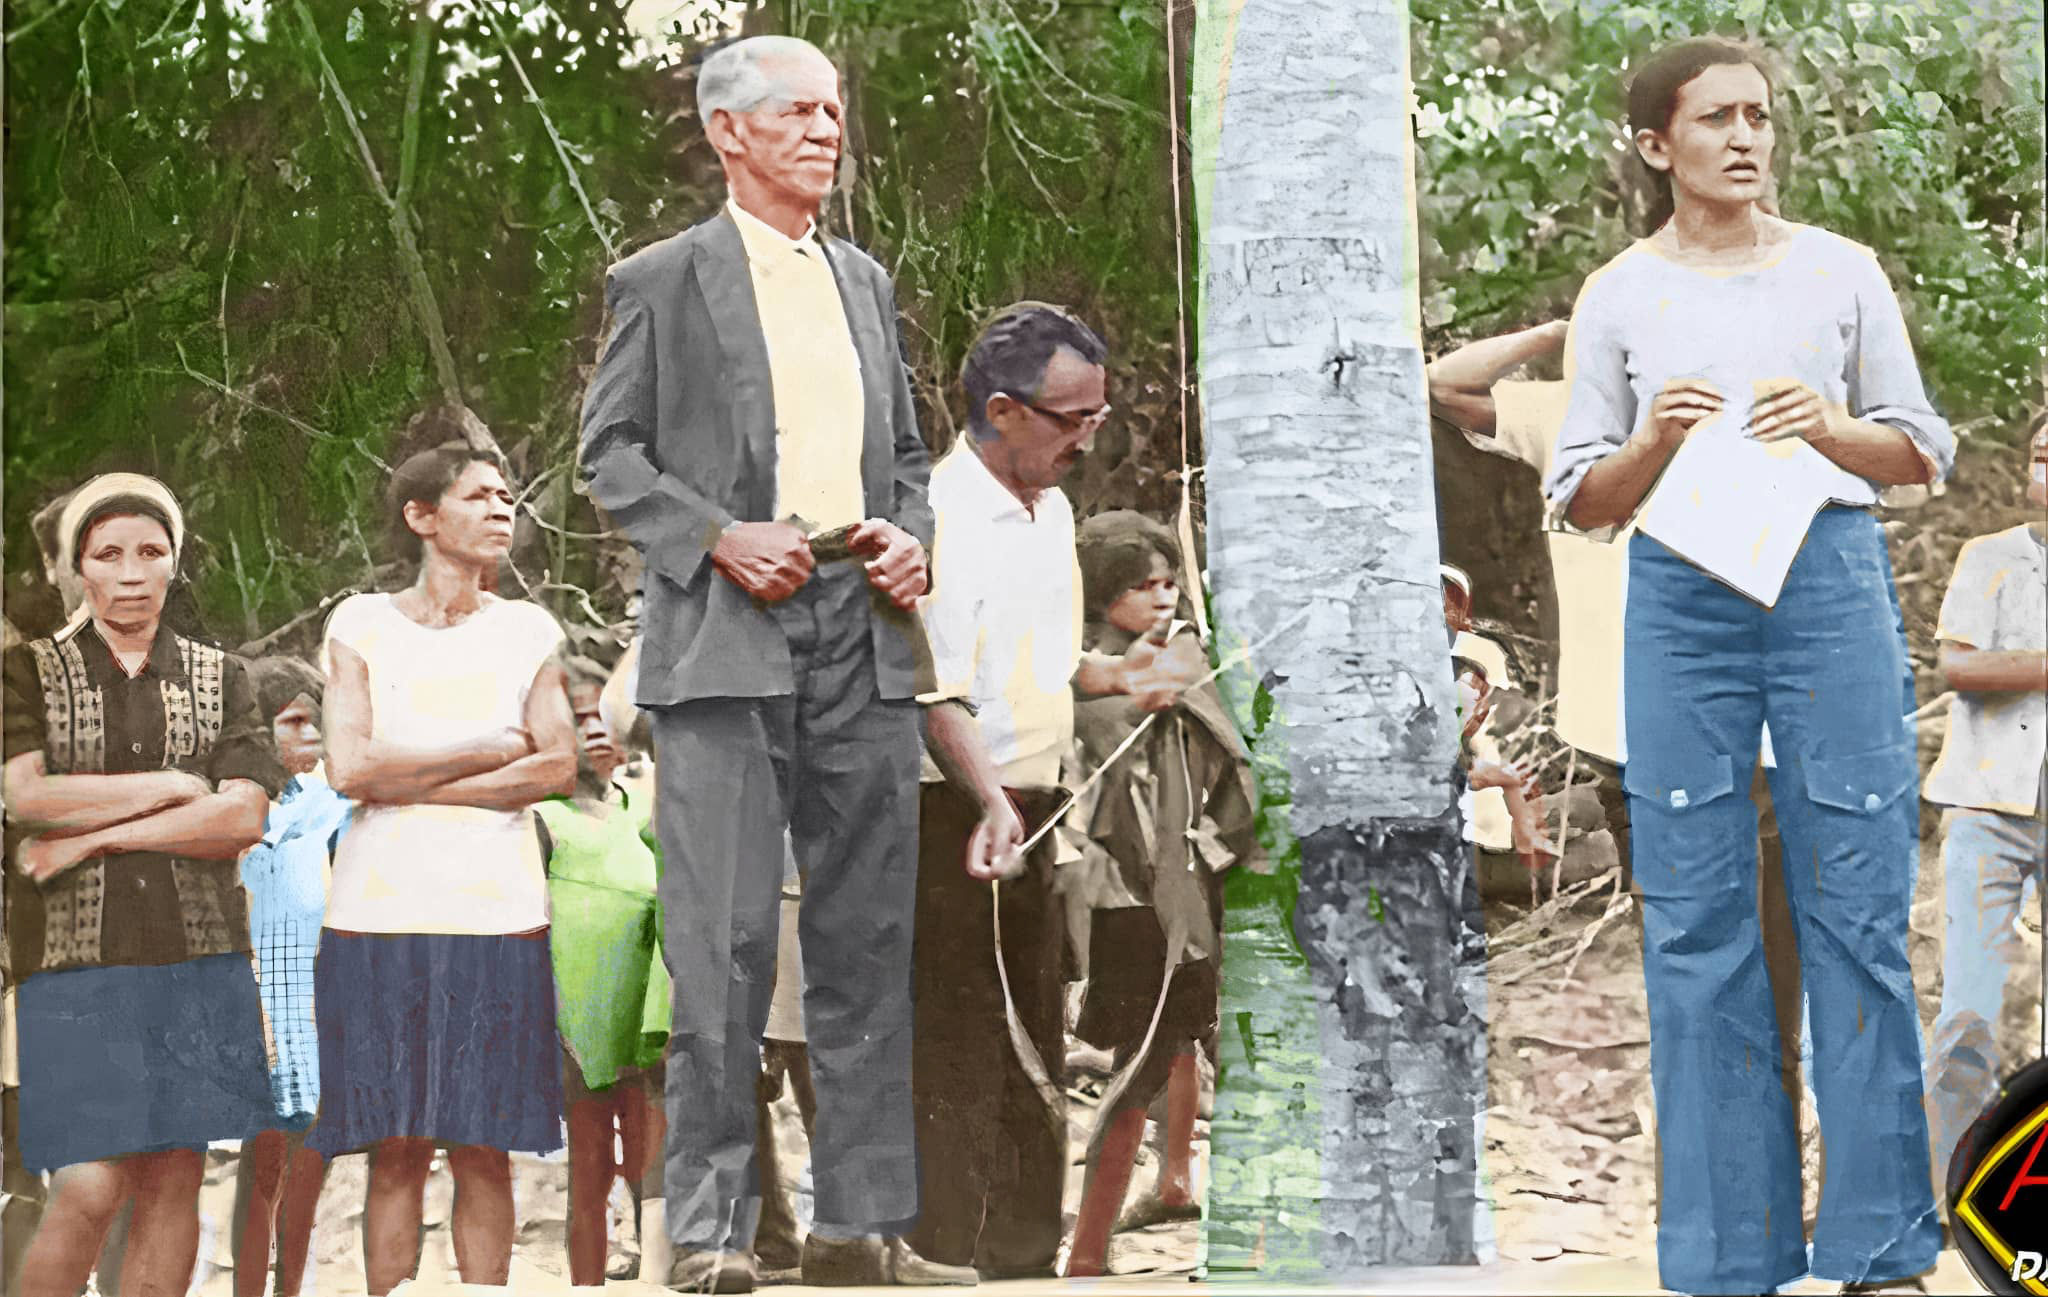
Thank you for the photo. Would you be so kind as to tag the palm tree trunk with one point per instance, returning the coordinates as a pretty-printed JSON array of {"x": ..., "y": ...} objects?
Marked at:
[{"x": 1320, "y": 491}]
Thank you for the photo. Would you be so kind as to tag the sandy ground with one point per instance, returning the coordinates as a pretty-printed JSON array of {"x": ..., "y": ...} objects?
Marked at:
[{"x": 540, "y": 1196}]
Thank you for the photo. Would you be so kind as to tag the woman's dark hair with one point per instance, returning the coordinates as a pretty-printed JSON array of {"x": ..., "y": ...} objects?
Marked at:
[
  {"x": 425, "y": 478},
  {"x": 1115, "y": 550},
  {"x": 1653, "y": 95},
  {"x": 116, "y": 506},
  {"x": 1012, "y": 351},
  {"x": 280, "y": 680}
]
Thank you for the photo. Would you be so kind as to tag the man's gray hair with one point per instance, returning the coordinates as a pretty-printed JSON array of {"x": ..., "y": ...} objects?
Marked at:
[{"x": 733, "y": 79}]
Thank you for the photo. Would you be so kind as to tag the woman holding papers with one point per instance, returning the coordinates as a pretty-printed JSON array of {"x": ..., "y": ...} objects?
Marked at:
[{"x": 1741, "y": 388}]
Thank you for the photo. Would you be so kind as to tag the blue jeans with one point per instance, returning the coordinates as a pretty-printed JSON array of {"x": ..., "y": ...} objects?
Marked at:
[
  {"x": 1705, "y": 669},
  {"x": 1988, "y": 860}
]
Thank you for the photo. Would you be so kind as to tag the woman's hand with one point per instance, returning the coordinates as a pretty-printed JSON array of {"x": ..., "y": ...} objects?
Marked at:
[
  {"x": 1676, "y": 409},
  {"x": 1796, "y": 410},
  {"x": 513, "y": 743},
  {"x": 43, "y": 857}
]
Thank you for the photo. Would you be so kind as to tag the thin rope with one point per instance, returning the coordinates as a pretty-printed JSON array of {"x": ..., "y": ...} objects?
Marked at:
[
  {"x": 1226, "y": 664},
  {"x": 1191, "y": 572},
  {"x": 1027, "y": 1053}
]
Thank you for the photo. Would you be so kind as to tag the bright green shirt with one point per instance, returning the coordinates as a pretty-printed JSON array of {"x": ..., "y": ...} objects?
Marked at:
[{"x": 612, "y": 990}]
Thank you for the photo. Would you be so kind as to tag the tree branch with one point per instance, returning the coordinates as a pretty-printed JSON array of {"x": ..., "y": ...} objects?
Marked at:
[
  {"x": 561, "y": 149},
  {"x": 24, "y": 29},
  {"x": 401, "y": 221},
  {"x": 423, "y": 32},
  {"x": 258, "y": 647}
]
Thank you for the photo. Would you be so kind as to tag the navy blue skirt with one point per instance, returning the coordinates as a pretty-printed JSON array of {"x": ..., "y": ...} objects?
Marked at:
[
  {"x": 140, "y": 1059},
  {"x": 442, "y": 1037}
]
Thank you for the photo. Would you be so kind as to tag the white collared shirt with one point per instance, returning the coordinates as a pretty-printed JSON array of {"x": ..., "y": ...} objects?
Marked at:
[
  {"x": 1004, "y": 616},
  {"x": 815, "y": 374}
]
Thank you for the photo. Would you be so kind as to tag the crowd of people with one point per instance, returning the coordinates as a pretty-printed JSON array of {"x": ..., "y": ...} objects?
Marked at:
[{"x": 901, "y": 751}]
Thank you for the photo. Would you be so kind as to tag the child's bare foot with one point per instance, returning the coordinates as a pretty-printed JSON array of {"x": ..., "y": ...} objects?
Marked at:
[{"x": 1158, "y": 1207}]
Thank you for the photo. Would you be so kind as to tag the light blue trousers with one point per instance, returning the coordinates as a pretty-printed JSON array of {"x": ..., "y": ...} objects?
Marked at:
[
  {"x": 1988, "y": 862},
  {"x": 1705, "y": 669}
]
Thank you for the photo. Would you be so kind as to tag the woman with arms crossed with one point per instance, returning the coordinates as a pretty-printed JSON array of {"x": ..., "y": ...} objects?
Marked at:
[
  {"x": 139, "y": 757},
  {"x": 446, "y": 720},
  {"x": 1747, "y": 335}
]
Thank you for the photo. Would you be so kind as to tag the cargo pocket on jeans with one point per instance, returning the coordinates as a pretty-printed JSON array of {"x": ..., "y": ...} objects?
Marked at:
[
  {"x": 1679, "y": 783},
  {"x": 1862, "y": 783},
  {"x": 1671, "y": 833}
]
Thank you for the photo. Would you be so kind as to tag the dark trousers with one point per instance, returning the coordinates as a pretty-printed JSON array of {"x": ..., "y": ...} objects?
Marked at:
[
  {"x": 991, "y": 1165},
  {"x": 838, "y": 767}
]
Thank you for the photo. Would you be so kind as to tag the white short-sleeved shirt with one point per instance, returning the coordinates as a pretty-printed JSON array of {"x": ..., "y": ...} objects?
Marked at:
[
  {"x": 1997, "y": 600},
  {"x": 1004, "y": 616},
  {"x": 457, "y": 869},
  {"x": 1591, "y": 577}
]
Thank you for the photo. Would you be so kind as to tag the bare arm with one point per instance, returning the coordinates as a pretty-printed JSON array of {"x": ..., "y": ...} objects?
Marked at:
[
  {"x": 1461, "y": 383},
  {"x": 1876, "y": 452},
  {"x": 1967, "y": 669},
  {"x": 1614, "y": 488},
  {"x": 953, "y": 738},
  {"x": 378, "y": 771},
  {"x": 87, "y": 802},
  {"x": 1101, "y": 674},
  {"x": 547, "y": 771},
  {"x": 218, "y": 826}
]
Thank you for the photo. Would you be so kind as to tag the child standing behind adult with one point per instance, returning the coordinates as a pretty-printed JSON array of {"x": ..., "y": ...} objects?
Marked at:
[
  {"x": 277, "y": 1183},
  {"x": 1171, "y": 815},
  {"x": 605, "y": 939},
  {"x": 1993, "y": 775}
]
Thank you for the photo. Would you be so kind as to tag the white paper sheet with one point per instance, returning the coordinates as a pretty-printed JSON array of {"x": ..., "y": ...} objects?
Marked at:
[{"x": 1737, "y": 507}]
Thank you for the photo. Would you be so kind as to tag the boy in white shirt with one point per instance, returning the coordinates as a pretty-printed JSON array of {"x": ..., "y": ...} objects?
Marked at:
[{"x": 1993, "y": 778}]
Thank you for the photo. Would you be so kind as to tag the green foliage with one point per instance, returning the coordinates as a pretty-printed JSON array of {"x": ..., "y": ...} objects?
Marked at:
[
  {"x": 1912, "y": 126},
  {"x": 1019, "y": 149},
  {"x": 206, "y": 281}
]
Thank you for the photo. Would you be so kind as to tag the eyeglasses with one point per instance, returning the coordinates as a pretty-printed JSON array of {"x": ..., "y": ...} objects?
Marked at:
[{"x": 1071, "y": 422}]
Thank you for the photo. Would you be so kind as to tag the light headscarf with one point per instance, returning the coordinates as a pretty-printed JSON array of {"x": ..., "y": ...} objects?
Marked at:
[{"x": 87, "y": 499}]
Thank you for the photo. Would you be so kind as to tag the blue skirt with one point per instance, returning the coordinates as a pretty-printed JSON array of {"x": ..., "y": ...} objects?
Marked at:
[
  {"x": 140, "y": 1059},
  {"x": 437, "y": 1036}
]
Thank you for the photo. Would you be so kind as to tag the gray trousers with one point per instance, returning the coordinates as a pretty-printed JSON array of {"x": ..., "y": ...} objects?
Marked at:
[{"x": 838, "y": 766}]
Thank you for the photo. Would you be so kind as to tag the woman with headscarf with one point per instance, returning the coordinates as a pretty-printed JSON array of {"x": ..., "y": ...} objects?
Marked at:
[{"x": 139, "y": 762}]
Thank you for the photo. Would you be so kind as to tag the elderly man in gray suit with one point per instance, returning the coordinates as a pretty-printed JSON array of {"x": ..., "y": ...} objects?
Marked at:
[{"x": 749, "y": 427}]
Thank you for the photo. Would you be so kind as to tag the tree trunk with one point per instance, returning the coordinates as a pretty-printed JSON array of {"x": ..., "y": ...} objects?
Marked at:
[{"x": 1321, "y": 491}]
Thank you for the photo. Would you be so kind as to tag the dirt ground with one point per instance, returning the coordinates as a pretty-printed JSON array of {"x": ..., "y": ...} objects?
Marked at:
[{"x": 540, "y": 1196}]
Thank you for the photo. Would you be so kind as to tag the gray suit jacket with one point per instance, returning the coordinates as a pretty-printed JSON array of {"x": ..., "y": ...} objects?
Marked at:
[{"x": 678, "y": 440}]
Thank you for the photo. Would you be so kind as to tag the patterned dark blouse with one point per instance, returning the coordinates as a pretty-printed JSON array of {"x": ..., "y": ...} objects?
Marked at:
[{"x": 191, "y": 708}]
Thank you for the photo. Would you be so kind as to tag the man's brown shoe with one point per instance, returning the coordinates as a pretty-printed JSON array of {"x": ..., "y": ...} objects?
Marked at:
[
  {"x": 711, "y": 1272},
  {"x": 872, "y": 1263}
]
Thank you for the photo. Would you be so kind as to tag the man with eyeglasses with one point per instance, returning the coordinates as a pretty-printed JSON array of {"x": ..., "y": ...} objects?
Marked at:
[
  {"x": 1004, "y": 619},
  {"x": 749, "y": 427}
]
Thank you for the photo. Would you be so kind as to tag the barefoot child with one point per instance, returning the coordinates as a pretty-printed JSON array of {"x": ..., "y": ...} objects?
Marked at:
[
  {"x": 1992, "y": 776},
  {"x": 1172, "y": 814}
]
